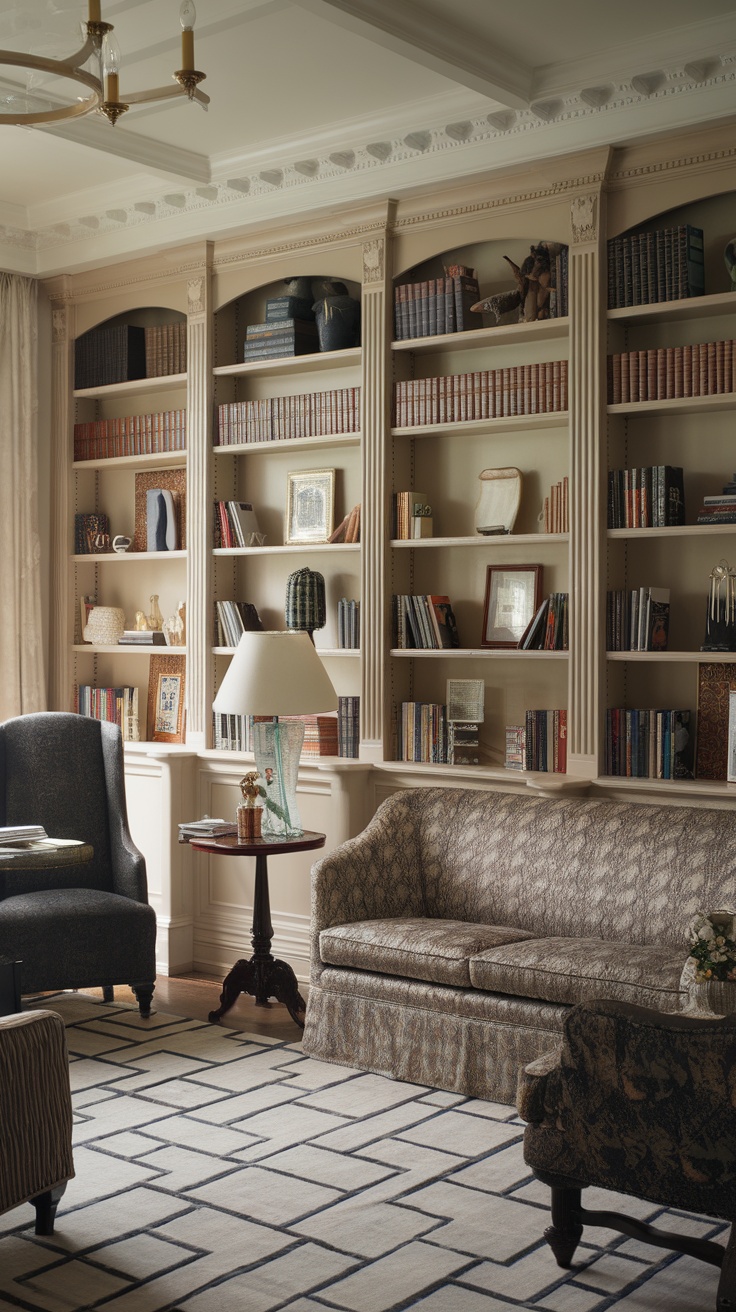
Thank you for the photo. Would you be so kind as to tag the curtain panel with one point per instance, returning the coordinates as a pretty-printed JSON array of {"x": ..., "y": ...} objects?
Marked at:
[{"x": 22, "y": 674}]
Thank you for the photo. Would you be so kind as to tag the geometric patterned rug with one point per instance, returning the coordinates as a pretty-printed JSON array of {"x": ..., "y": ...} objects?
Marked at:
[{"x": 220, "y": 1171}]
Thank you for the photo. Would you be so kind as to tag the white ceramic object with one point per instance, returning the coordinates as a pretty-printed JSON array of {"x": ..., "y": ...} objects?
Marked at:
[
  {"x": 104, "y": 626},
  {"x": 498, "y": 504},
  {"x": 121, "y": 542}
]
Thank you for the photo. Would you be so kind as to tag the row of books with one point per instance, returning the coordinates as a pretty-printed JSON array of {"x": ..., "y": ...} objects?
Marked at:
[
  {"x": 131, "y": 435},
  {"x": 236, "y": 524},
  {"x": 421, "y": 732},
  {"x": 278, "y": 418},
  {"x": 665, "y": 373},
  {"x": 665, "y": 265},
  {"x": 528, "y": 389},
  {"x": 87, "y": 528},
  {"x": 425, "y": 622},
  {"x": 348, "y": 530},
  {"x": 555, "y": 516},
  {"x": 721, "y": 507},
  {"x": 548, "y": 630},
  {"x": 232, "y": 620},
  {"x": 652, "y": 496},
  {"x": 117, "y": 705},
  {"x": 166, "y": 349},
  {"x": 637, "y": 619},
  {"x": 545, "y": 741},
  {"x": 274, "y": 340},
  {"x": 348, "y": 623},
  {"x": 348, "y": 726},
  {"x": 436, "y": 305},
  {"x": 231, "y": 733},
  {"x": 408, "y": 508},
  {"x": 114, "y": 353},
  {"x": 324, "y": 735},
  {"x": 649, "y": 744}
]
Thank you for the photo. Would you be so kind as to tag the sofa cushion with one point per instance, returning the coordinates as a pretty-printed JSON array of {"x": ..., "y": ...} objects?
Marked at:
[
  {"x": 414, "y": 947},
  {"x": 574, "y": 970}
]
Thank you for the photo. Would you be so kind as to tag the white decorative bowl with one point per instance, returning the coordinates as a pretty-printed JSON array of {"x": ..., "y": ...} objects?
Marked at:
[{"x": 104, "y": 626}]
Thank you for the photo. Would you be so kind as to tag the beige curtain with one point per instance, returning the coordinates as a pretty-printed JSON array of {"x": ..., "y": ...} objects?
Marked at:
[{"x": 22, "y": 677}]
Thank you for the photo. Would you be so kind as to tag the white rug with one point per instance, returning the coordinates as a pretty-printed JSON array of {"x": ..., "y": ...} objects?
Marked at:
[{"x": 219, "y": 1171}]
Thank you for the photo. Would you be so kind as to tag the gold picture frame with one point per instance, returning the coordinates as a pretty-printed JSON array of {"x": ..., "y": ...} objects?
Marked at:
[
  {"x": 310, "y": 506},
  {"x": 166, "y": 691}
]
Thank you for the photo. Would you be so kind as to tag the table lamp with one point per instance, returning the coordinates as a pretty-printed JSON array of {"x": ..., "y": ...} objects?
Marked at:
[{"x": 274, "y": 674}]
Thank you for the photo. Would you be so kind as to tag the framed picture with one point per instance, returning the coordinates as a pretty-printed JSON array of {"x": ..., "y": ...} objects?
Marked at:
[
  {"x": 310, "y": 504},
  {"x": 512, "y": 597},
  {"x": 166, "y": 687}
]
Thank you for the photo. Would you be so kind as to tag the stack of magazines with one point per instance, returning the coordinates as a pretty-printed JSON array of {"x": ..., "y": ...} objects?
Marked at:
[
  {"x": 206, "y": 828},
  {"x": 14, "y": 834}
]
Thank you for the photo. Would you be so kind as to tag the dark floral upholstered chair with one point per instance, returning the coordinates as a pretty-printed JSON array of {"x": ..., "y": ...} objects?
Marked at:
[
  {"x": 85, "y": 925},
  {"x": 35, "y": 1114},
  {"x": 640, "y": 1102}
]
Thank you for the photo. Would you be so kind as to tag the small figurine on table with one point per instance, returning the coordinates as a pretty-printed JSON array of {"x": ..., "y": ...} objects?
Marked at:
[{"x": 250, "y": 810}]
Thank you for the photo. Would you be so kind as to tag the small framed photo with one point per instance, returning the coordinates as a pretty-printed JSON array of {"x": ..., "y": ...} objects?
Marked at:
[
  {"x": 513, "y": 594},
  {"x": 310, "y": 503},
  {"x": 166, "y": 687}
]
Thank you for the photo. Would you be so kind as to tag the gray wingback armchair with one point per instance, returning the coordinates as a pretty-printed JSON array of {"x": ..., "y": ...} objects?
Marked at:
[
  {"x": 78, "y": 926},
  {"x": 640, "y": 1102}
]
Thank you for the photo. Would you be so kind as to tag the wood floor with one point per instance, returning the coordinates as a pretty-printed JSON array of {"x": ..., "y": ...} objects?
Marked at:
[{"x": 197, "y": 995}]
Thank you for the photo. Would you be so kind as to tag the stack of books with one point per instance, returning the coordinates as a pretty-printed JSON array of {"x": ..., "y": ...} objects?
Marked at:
[
  {"x": 637, "y": 620},
  {"x": 112, "y": 354},
  {"x": 649, "y": 744},
  {"x": 348, "y": 623},
  {"x": 646, "y": 267},
  {"x": 720, "y": 509},
  {"x": 555, "y": 509},
  {"x": 206, "y": 828},
  {"x": 422, "y": 732},
  {"x": 235, "y": 524},
  {"x": 232, "y": 620},
  {"x": 548, "y": 630},
  {"x": 280, "y": 308},
  {"x": 166, "y": 349},
  {"x": 118, "y": 705},
  {"x": 652, "y": 496},
  {"x": 545, "y": 741},
  {"x": 426, "y": 622},
  {"x": 348, "y": 726},
  {"x": 142, "y": 638},
  {"x": 271, "y": 341},
  {"x": 279, "y": 418}
]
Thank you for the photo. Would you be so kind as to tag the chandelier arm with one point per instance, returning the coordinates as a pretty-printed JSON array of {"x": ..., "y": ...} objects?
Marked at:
[{"x": 166, "y": 93}]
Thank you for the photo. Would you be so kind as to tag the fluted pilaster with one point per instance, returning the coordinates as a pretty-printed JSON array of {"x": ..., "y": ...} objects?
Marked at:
[
  {"x": 61, "y": 607},
  {"x": 199, "y": 504}
]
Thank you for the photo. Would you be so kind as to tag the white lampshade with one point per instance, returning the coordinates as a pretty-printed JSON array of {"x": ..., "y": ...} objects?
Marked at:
[{"x": 275, "y": 673}]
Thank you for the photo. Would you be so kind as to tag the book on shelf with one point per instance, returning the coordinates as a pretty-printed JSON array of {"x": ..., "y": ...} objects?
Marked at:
[
  {"x": 115, "y": 353},
  {"x": 233, "y": 619},
  {"x": 236, "y": 524},
  {"x": 131, "y": 435},
  {"x": 166, "y": 348},
  {"x": 407, "y": 507},
  {"x": 142, "y": 638},
  {"x": 637, "y": 619},
  {"x": 321, "y": 734},
  {"x": 651, "y": 496},
  {"x": 548, "y": 628},
  {"x": 231, "y": 733},
  {"x": 348, "y": 530},
  {"x": 720, "y": 508},
  {"x": 515, "y": 753},
  {"x": 348, "y": 623},
  {"x": 439, "y": 305},
  {"x": 545, "y": 741},
  {"x": 425, "y": 621},
  {"x": 273, "y": 340},
  {"x": 555, "y": 517},
  {"x": 528, "y": 389},
  {"x": 348, "y": 726},
  {"x": 282, "y": 418},
  {"x": 664, "y": 265},
  {"x": 422, "y": 732},
  {"x": 671, "y": 373},
  {"x": 649, "y": 743},
  {"x": 117, "y": 705},
  {"x": 87, "y": 527}
]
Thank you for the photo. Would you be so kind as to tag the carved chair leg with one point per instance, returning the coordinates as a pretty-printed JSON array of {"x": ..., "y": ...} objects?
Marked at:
[
  {"x": 726, "y": 1297},
  {"x": 144, "y": 994},
  {"x": 108, "y": 993},
  {"x": 563, "y": 1236},
  {"x": 46, "y": 1205}
]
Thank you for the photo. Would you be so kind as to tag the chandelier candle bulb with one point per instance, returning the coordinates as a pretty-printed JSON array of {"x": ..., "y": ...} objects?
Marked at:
[
  {"x": 187, "y": 17},
  {"x": 95, "y": 15}
]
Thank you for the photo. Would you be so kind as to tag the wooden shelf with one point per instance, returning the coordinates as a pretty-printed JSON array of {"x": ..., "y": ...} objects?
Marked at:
[
  {"x": 129, "y": 557},
  {"x": 292, "y": 364},
  {"x": 506, "y": 334},
  {"x": 128, "y": 648},
  {"x": 477, "y": 653},
  {"x": 135, "y": 386},
  {"x": 487, "y": 427},
  {"x": 298, "y": 548},
  {"x": 672, "y": 531},
  {"x": 281, "y": 444},
  {"x": 677, "y": 405},
  {"x": 321, "y": 651},
  {"x": 479, "y": 540},
  {"x": 673, "y": 657},
  {"x": 159, "y": 460},
  {"x": 693, "y": 307}
]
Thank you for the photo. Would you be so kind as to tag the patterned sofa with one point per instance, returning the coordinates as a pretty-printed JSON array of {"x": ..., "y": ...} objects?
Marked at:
[{"x": 451, "y": 937}]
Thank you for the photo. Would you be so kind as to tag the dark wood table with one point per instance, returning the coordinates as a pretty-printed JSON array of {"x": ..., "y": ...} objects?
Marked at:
[{"x": 263, "y": 976}]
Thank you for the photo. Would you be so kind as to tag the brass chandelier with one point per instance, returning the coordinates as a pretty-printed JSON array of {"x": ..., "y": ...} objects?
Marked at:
[{"x": 102, "y": 92}]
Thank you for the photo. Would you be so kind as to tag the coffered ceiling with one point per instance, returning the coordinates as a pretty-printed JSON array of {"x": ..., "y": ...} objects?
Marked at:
[{"x": 320, "y": 103}]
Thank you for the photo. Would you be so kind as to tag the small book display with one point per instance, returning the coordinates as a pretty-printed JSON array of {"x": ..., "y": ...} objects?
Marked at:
[
  {"x": 637, "y": 620},
  {"x": 664, "y": 265},
  {"x": 425, "y": 622},
  {"x": 721, "y": 507},
  {"x": 545, "y": 741},
  {"x": 236, "y": 525},
  {"x": 422, "y": 732},
  {"x": 649, "y": 744},
  {"x": 652, "y": 496}
]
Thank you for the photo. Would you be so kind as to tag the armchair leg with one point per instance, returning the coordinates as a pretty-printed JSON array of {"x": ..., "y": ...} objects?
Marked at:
[
  {"x": 726, "y": 1297},
  {"x": 46, "y": 1205},
  {"x": 563, "y": 1236},
  {"x": 108, "y": 993},
  {"x": 144, "y": 994}
]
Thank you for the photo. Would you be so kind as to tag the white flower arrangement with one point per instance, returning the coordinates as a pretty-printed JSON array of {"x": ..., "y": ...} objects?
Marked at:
[{"x": 712, "y": 946}]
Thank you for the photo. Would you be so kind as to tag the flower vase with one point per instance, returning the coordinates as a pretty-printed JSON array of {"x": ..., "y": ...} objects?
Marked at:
[{"x": 716, "y": 997}]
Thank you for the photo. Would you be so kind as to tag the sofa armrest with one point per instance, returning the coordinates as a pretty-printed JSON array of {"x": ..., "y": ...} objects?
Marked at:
[
  {"x": 127, "y": 862},
  {"x": 531, "y": 1087},
  {"x": 371, "y": 877},
  {"x": 35, "y": 1107}
]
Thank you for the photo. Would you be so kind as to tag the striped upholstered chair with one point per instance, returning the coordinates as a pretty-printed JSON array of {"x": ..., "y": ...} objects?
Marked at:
[{"x": 35, "y": 1114}]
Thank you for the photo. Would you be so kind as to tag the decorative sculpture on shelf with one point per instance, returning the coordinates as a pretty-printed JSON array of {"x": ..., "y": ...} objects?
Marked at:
[
  {"x": 141, "y": 623},
  {"x": 174, "y": 627},
  {"x": 534, "y": 286},
  {"x": 155, "y": 618},
  {"x": 720, "y": 621},
  {"x": 250, "y": 811},
  {"x": 305, "y": 601}
]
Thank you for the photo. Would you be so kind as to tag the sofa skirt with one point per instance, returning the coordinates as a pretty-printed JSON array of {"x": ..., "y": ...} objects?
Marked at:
[{"x": 438, "y": 1037}]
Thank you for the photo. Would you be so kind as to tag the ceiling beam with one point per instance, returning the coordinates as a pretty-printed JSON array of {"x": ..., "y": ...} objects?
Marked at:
[
  {"x": 163, "y": 159},
  {"x": 433, "y": 43}
]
